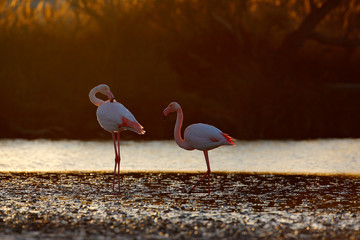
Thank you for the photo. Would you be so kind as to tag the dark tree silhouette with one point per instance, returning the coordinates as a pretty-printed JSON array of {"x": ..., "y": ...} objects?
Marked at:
[{"x": 296, "y": 39}]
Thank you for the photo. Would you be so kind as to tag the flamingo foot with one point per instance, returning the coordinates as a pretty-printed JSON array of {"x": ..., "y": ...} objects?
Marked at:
[
  {"x": 207, "y": 173},
  {"x": 119, "y": 174},
  {"x": 117, "y": 163},
  {"x": 113, "y": 185}
]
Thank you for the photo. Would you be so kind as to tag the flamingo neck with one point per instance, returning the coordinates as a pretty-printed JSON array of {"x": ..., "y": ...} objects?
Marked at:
[
  {"x": 177, "y": 130},
  {"x": 96, "y": 101}
]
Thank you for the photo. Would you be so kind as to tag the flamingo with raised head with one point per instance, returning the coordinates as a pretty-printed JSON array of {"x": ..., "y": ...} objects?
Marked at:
[
  {"x": 114, "y": 117},
  {"x": 198, "y": 136}
]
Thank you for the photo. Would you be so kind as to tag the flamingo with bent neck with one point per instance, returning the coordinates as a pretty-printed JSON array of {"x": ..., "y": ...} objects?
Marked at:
[
  {"x": 114, "y": 117},
  {"x": 198, "y": 136}
]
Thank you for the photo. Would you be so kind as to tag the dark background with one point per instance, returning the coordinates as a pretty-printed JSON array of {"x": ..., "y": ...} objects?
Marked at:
[{"x": 265, "y": 69}]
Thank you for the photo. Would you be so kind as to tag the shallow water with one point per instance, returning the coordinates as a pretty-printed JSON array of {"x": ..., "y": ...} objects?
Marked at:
[
  {"x": 155, "y": 206},
  {"x": 62, "y": 190},
  {"x": 329, "y": 156}
]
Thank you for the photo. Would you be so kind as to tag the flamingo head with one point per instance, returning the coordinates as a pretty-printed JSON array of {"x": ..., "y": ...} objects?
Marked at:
[
  {"x": 104, "y": 89},
  {"x": 173, "y": 107}
]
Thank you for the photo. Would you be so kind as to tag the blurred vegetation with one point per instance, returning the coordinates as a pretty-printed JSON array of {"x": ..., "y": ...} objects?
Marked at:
[{"x": 257, "y": 69}]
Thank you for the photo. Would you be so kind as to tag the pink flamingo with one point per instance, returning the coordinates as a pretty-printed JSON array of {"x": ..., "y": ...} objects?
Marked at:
[
  {"x": 198, "y": 136},
  {"x": 114, "y": 117}
]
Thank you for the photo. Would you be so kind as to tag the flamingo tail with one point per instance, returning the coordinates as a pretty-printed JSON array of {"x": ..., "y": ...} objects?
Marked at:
[
  {"x": 229, "y": 139},
  {"x": 134, "y": 126}
]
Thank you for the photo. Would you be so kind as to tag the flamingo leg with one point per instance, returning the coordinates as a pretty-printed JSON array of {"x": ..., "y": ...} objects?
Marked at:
[
  {"x": 118, "y": 138},
  {"x": 116, "y": 162},
  {"x": 208, "y": 167},
  {"x": 206, "y": 174}
]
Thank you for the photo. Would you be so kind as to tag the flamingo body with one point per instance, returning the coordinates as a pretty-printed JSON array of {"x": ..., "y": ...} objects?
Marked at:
[
  {"x": 198, "y": 136},
  {"x": 202, "y": 136},
  {"x": 114, "y": 117}
]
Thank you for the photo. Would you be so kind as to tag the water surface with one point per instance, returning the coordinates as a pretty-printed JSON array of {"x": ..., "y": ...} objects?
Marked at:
[
  {"x": 329, "y": 156},
  {"x": 247, "y": 201},
  {"x": 155, "y": 206}
]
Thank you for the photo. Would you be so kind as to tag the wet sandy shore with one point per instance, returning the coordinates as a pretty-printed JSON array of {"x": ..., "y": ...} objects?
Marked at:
[{"x": 155, "y": 206}]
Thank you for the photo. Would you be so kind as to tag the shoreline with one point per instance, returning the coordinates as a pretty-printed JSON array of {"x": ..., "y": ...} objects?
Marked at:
[{"x": 213, "y": 172}]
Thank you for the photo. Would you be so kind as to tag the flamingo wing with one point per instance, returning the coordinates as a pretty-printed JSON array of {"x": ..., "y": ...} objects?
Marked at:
[
  {"x": 205, "y": 137},
  {"x": 113, "y": 117}
]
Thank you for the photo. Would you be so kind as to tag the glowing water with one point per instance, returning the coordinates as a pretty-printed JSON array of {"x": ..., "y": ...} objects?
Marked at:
[{"x": 313, "y": 156}]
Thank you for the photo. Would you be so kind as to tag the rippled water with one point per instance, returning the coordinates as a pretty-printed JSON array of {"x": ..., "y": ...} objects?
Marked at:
[
  {"x": 247, "y": 200},
  {"x": 329, "y": 156},
  {"x": 155, "y": 206}
]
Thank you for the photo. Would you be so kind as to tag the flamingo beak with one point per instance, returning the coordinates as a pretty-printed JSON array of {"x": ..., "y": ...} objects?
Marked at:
[
  {"x": 165, "y": 112},
  {"x": 110, "y": 95}
]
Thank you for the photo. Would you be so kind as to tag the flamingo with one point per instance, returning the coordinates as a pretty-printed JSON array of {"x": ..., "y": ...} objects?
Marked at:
[
  {"x": 114, "y": 117},
  {"x": 198, "y": 136}
]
